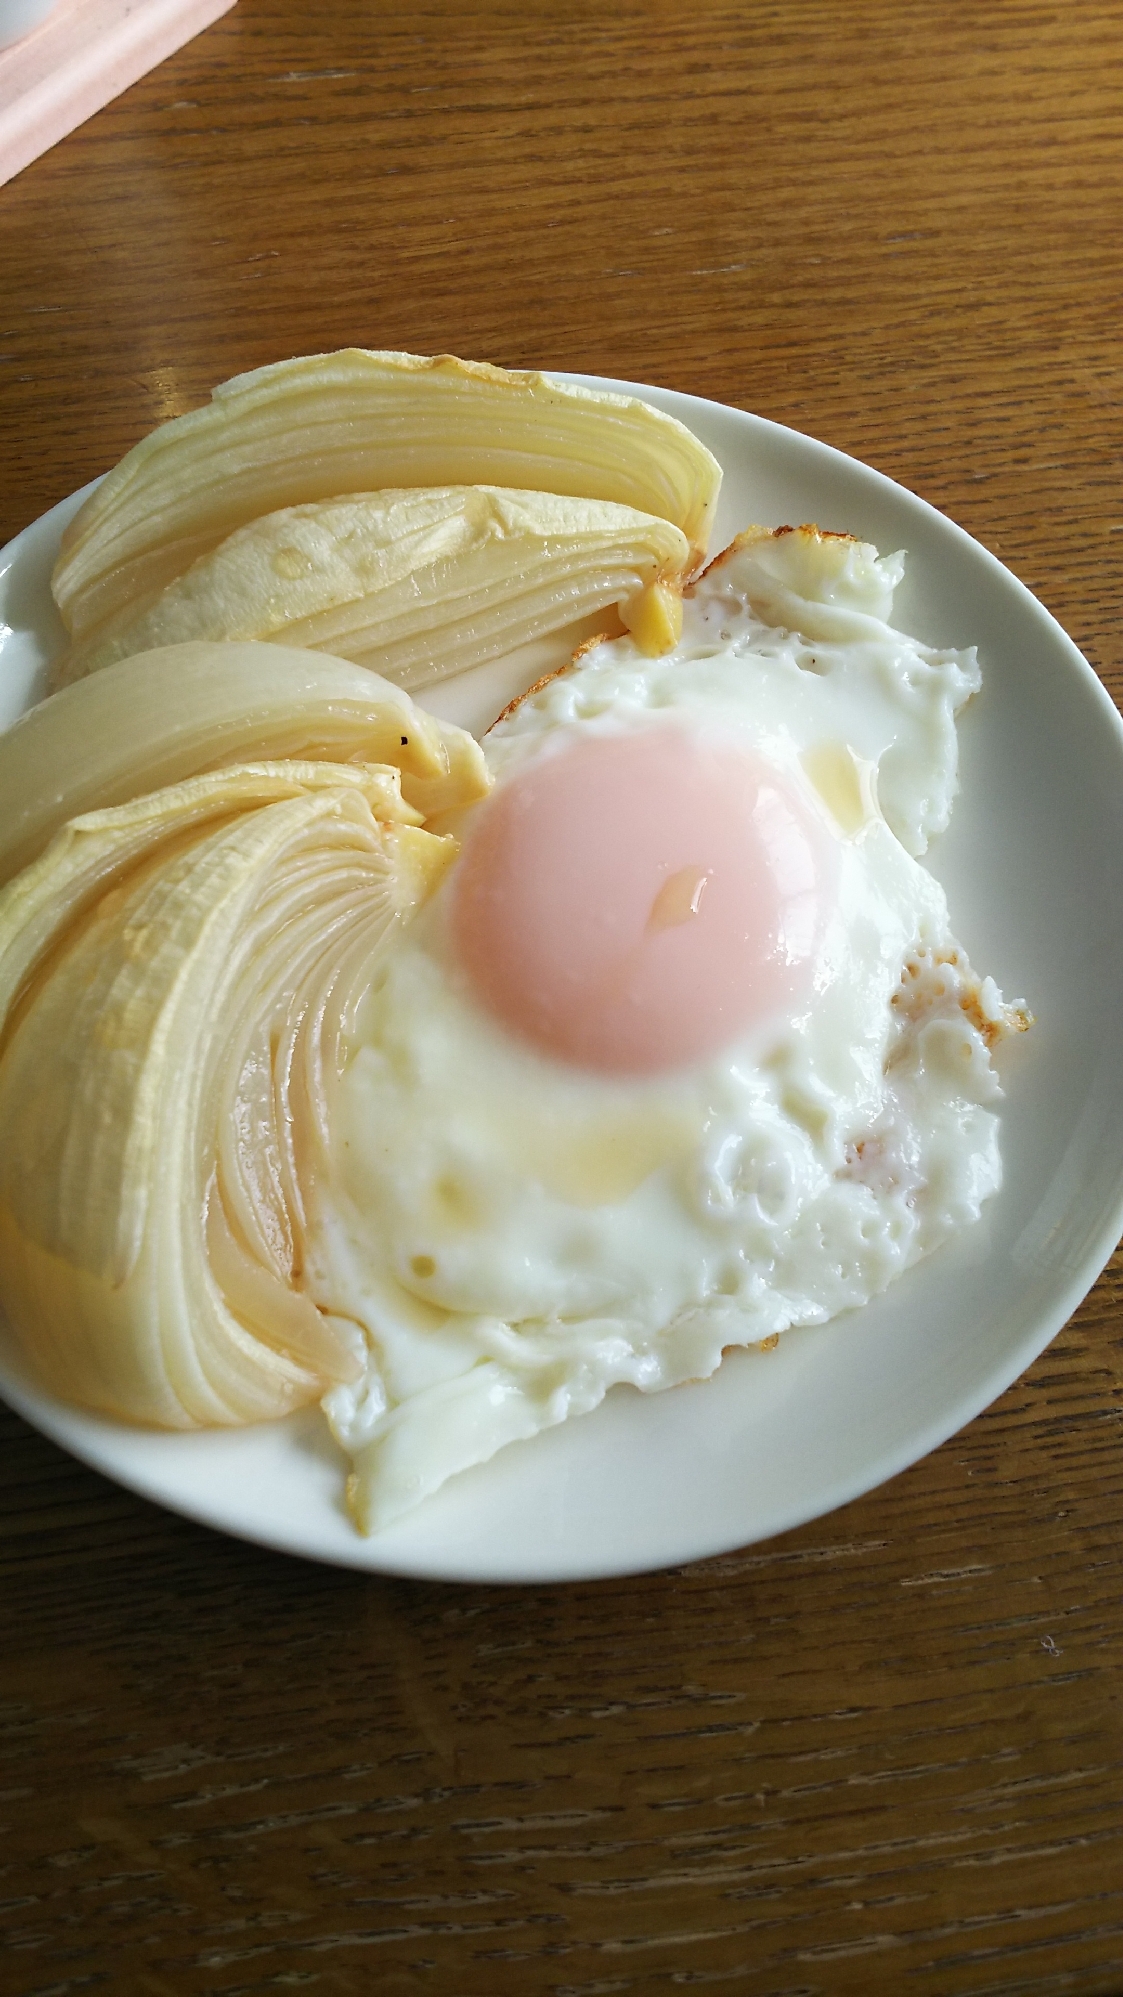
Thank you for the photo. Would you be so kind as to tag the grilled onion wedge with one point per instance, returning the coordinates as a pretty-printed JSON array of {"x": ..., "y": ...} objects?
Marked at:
[
  {"x": 419, "y": 584},
  {"x": 176, "y": 975},
  {"x": 160, "y": 717},
  {"x": 325, "y": 425}
]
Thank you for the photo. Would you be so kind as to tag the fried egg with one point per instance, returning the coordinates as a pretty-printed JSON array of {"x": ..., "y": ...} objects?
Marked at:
[{"x": 684, "y": 1051}]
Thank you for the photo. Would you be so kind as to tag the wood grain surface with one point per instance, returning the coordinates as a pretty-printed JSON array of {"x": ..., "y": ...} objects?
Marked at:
[{"x": 883, "y": 1753}]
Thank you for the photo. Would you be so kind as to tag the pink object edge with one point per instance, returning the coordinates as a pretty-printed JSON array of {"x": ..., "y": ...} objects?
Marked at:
[{"x": 80, "y": 58}]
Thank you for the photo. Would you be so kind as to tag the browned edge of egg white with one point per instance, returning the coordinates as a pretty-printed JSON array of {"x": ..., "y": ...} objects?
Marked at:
[
  {"x": 587, "y": 645},
  {"x": 746, "y": 538},
  {"x": 1013, "y": 1019},
  {"x": 749, "y": 536}
]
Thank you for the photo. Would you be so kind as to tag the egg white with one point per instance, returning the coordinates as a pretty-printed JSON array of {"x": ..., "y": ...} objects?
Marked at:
[{"x": 514, "y": 1236}]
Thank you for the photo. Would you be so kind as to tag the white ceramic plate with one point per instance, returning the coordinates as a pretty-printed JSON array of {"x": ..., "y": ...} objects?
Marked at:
[{"x": 1031, "y": 866}]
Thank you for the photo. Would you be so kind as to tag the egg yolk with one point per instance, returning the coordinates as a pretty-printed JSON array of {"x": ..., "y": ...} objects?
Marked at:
[{"x": 629, "y": 903}]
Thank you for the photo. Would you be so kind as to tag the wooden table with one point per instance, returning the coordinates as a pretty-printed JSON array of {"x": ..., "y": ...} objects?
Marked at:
[{"x": 881, "y": 1754}]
